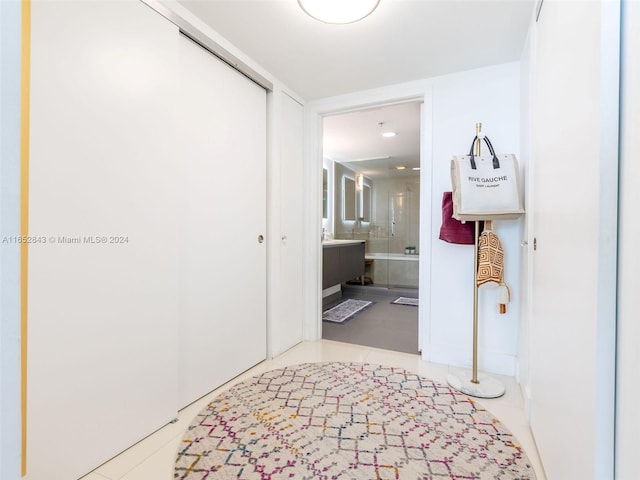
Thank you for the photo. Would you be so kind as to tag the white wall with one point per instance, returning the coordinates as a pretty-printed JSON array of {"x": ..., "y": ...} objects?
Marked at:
[
  {"x": 9, "y": 227},
  {"x": 628, "y": 386},
  {"x": 453, "y": 105},
  {"x": 490, "y": 96}
]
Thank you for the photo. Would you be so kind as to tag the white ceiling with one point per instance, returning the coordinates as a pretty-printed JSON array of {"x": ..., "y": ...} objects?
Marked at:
[
  {"x": 401, "y": 41},
  {"x": 355, "y": 140}
]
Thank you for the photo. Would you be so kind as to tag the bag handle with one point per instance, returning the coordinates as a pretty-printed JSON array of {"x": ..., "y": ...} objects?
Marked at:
[{"x": 496, "y": 162}]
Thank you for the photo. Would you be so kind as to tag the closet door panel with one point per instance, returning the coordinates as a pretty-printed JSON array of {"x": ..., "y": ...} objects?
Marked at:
[
  {"x": 102, "y": 291},
  {"x": 572, "y": 331},
  {"x": 223, "y": 264},
  {"x": 287, "y": 327}
]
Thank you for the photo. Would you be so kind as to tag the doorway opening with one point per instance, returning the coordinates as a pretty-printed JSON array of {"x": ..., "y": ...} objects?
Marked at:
[{"x": 371, "y": 194}]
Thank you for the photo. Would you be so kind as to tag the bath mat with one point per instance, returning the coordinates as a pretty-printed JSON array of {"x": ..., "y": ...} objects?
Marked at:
[
  {"x": 406, "y": 301},
  {"x": 347, "y": 421},
  {"x": 345, "y": 310}
]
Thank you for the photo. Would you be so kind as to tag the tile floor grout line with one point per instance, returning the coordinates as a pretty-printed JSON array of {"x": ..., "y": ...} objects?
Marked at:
[{"x": 142, "y": 459}]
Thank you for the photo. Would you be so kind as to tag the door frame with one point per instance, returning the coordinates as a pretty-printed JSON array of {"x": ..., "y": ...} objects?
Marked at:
[{"x": 314, "y": 114}]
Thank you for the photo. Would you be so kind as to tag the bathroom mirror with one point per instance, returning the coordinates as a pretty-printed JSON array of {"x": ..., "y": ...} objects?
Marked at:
[
  {"x": 366, "y": 203},
  {"x": 325, "y": 193},
  {"x": 348, "y": 199}
]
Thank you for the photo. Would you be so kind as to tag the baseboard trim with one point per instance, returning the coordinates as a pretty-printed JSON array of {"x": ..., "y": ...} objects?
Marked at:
[{"x": 489, "y": 362}]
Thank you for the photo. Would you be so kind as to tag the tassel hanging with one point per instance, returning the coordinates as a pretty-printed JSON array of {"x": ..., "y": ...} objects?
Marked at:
[{"x": 504, "y": 297}]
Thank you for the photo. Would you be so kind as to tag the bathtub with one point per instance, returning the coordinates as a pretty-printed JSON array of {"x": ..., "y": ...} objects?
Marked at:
[{"x": 393, "y": 269}]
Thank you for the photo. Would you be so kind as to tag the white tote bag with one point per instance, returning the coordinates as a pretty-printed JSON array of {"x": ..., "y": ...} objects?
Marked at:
[{"x": 486, "y": 187}]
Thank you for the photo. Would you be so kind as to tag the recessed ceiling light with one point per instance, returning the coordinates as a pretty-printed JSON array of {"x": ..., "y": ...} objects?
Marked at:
[
  {"x": 386, "y": 130},
  {"x": 400, "y": 168},
  {"x": 415, "y": 168},
  {"x": 338, "y": 11}
]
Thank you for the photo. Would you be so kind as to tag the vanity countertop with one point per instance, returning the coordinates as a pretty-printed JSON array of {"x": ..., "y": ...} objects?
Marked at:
[{"x": 339, "y": 243}]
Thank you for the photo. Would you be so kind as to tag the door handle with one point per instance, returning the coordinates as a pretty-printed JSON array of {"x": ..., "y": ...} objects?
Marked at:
[
  {"x": 260, "y": 238},
  {"x": 393, "y": 229}
]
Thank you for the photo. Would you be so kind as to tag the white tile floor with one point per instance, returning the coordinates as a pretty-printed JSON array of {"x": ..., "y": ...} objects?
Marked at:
[{"x": 153, "y": 458}]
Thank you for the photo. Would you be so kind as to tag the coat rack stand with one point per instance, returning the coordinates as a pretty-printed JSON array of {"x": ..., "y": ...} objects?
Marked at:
[{"x": 481, "y": 386}]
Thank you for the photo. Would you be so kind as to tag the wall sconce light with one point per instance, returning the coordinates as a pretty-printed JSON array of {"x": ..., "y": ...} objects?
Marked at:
[{"x": 338, "y": 11}]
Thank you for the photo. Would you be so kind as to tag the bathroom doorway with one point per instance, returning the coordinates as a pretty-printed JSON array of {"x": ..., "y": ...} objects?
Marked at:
[{"x": 371, "y": 193}]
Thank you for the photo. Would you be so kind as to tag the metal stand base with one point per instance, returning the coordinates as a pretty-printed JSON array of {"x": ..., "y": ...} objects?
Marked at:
[{"x": 486, "y": 387}]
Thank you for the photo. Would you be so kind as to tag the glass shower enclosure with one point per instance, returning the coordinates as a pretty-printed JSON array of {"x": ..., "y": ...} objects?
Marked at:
[{"x": 379, "y": 201}]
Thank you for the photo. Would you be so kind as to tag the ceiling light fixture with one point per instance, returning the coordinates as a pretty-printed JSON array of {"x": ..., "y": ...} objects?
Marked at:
[
  {"x": 338, "y": 11},
  {"x": 400, "y": 168},
  {"x": 385, "y": 130}
]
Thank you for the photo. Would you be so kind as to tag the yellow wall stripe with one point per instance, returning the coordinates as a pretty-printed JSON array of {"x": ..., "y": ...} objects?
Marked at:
[{"x": 25, "y": 86}]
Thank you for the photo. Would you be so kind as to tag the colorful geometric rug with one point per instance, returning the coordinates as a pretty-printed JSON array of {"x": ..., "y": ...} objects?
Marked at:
[
  {"x": 345, "y": 310},
  {"x": 347, "y": 421},
  {"x": 414, "y": 302}
]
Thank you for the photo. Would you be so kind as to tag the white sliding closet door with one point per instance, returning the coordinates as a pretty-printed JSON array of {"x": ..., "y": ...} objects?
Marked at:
[
  {"x": 223, "y": 265},
  {"x": 103, "y": 277}
]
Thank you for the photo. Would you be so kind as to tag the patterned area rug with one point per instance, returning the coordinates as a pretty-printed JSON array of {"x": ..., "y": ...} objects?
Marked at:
[
  {"x": 414, "y": 302},
  {"x": 347, "y": 421},
  {"x": 345, "y": 310}
]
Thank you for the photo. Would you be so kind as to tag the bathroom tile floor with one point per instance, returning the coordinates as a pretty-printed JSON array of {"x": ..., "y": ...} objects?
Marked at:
[
  {"x": 153, "y": 458},
  {"x": 381, "y": 325}
]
